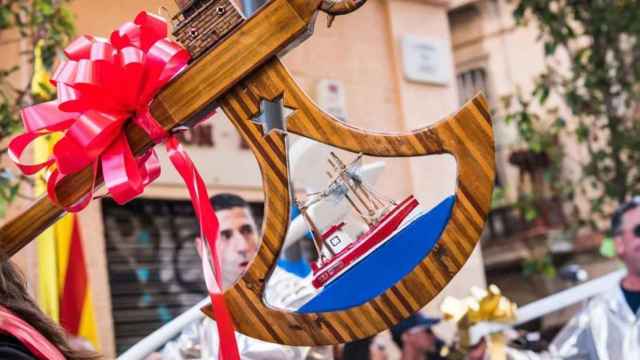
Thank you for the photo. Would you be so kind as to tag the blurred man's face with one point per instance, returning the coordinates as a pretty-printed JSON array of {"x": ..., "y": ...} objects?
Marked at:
[
  {"x": 420, "y": 339},
  {"x": 237, "y": 244},
  {"x": 627, "y": 243}
]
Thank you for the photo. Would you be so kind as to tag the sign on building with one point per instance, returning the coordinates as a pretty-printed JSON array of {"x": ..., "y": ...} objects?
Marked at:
[
  {"x": 425, "y": 60},
  {"x": 330, "y": 96}
]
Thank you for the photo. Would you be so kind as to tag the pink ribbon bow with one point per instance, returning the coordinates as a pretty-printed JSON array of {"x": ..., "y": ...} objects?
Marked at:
[{"x": 103, "y": 85}]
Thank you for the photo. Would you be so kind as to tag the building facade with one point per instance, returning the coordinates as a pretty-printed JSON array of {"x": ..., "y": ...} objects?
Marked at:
[{"x": 363, "y": 70}]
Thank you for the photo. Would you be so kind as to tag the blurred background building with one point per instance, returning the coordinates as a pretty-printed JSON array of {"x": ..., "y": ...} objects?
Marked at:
[{"x": 393, "y": 65}]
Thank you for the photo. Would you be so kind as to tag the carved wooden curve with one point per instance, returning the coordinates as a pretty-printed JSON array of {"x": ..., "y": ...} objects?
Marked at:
[{"x": 467, "y": 135}]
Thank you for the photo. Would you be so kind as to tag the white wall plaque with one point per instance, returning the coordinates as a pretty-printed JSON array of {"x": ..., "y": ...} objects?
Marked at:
[
  {"x": 330, "y": 96},
  {"x": 425, "y": 60}
]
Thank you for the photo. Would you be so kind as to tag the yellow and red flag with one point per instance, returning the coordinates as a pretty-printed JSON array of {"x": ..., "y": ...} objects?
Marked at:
[
  {"x": 64, "y": 293},
  {"x": 76, "y": 306}
]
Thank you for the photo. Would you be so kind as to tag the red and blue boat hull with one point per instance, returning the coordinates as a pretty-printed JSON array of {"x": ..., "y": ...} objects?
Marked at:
[{"x": 384, "y": 266}]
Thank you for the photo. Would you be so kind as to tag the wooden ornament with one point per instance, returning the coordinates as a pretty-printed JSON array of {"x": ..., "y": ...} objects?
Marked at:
[
  {"x": 467, "y": 135},
  {"x": 240, "y": 71}
]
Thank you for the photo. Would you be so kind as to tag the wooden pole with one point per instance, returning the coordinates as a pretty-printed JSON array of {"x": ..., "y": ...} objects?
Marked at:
[{"x": 317, "y": 236}]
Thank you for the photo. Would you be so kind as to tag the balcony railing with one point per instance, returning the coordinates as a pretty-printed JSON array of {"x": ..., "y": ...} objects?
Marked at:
[{"x": 510, "y": 237}]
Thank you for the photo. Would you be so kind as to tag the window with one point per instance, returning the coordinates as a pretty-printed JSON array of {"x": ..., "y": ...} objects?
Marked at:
[
  {"x": 470, "y": 82},
  {"x": 201, "y": 135}
]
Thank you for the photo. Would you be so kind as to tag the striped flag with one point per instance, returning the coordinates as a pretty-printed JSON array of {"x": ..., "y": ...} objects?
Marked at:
[
  {"x": 76, "y": 306},
  {"x": 63, "y": 289}
]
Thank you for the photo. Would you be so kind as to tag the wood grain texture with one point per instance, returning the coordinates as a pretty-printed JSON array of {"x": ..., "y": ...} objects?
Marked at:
[
  {"x": 19, "y": 231},
  {"x": 202, "y": 25},
  {"x": 467, "y": 135},
  {"x": 341, "y": 7},
  {"x": 273, "y": 27}
]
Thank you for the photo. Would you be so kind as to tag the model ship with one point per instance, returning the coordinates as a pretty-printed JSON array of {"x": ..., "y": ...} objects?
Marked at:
[{"x": 382, "y": 217}]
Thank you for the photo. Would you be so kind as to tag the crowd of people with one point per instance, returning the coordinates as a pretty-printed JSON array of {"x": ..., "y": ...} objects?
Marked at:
[{"x": 608, "y": 327}]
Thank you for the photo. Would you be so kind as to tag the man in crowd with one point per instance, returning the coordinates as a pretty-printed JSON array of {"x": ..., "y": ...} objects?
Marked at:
[
  {"x": 609, "y": 325},
  {"x": 416, "y": 340},
  {"x": 237, "y": 245}
]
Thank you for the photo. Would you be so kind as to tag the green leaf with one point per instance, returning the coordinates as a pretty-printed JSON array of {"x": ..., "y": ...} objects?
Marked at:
[
  {"x": 44, "y": 7},
  {"x": 550, "y": 48},
  {"x": 582, "y": 133},
  {"x": 608, "y": 248},
  {"x": 3, "y": 207},
  {"x": 50, "y": 20},
  {"x": 530, "y": 214},
  {"x": 550, "y": 271},
  {"x": 6, "y": 17}
]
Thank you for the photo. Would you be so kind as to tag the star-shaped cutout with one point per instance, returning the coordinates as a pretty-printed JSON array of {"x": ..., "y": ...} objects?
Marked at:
[{"x": 273, "y": 116}]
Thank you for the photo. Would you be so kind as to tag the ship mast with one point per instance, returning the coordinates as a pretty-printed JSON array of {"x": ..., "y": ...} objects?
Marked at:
[
  {"x": 317, "y": 235},
  {"x": 364, "y": 201},
  {"x": 353, "y": 205},
  {"x": 365, "y": 198}
]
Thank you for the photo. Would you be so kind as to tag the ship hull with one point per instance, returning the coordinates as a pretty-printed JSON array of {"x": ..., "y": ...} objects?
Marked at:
[
  {"x": 384, "y": 266},
  {"x": 367, "y": 242}
]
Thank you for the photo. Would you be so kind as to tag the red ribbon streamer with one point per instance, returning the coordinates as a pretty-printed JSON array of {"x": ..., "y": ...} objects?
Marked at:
[{"x": 104, "y": 84}]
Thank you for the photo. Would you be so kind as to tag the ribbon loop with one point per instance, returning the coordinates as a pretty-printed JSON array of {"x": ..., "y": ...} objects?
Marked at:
[
  {"x": 165, "y": 59},
  {"x": 153, "y": 28},
  {"x": 80, "y": 48},
  {"x": 46, "y": 116},
  {"x": 122, "y": 173},
  {"x": 17, "y": 146}
]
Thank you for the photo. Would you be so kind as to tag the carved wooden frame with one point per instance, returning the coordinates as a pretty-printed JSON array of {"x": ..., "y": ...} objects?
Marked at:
[{"x": 467, "y": 135}]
